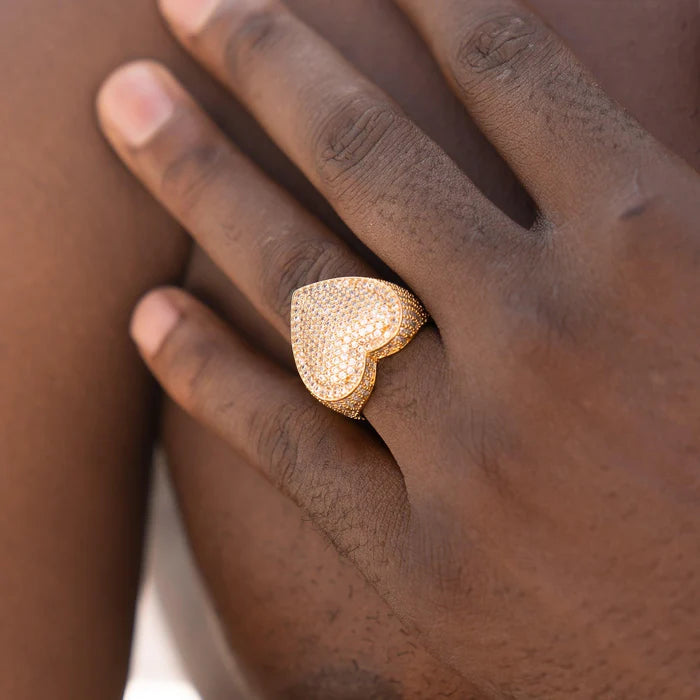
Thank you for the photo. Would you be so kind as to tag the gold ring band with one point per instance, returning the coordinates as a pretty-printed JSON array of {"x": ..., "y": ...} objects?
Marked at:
[{"x": 341, "y": 327}]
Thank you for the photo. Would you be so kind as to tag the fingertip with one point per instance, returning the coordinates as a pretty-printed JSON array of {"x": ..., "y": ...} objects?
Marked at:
[
  {"x": 189, "y": 15},
  {"x": 134, "y": 101},
  {"x": 153, "y": 320}
]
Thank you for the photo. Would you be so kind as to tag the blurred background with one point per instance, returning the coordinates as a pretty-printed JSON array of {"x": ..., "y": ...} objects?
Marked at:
[{"x": 173, "y": 605}]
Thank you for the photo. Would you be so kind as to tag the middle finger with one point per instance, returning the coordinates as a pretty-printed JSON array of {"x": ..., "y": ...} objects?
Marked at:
[{"x": 394, "y": 187}]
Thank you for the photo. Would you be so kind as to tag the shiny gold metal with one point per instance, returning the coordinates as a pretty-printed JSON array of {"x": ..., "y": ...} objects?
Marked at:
[{"x": 341, "y": 327}]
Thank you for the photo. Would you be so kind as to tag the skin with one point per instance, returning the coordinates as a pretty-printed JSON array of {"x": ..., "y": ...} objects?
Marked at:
[
  {"x": 478, "y": 519},
  {"x": 77, "y": 412},
  {"x": 86, "y": 289},
  {"x": 207, "y": 472}
]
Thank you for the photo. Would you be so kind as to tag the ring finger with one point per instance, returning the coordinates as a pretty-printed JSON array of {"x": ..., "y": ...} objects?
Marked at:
[{"x": 255, "y": 231}]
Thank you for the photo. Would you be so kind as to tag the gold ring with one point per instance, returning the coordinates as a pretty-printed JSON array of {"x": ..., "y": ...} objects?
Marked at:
[{"x": 341, "y": 327}]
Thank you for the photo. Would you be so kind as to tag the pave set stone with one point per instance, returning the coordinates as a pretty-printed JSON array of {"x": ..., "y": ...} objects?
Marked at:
[{"x": 341, "y": 327}]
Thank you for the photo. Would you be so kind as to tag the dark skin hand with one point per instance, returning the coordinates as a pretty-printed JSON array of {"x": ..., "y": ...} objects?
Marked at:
[
  {"x": 79, "y": 241},
  {"x": 529, "y": 502},
  {"x": 219, "y": 494}
]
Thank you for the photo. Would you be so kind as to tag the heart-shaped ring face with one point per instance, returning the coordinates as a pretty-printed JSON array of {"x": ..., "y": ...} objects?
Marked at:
[{"x": 340, "y": 327}]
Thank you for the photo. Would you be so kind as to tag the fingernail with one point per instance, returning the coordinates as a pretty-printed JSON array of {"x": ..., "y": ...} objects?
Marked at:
[
  {"x": 135, "y": 102},
  {"x": 189, "y": 15},
  {"x": 153, "y": 320}
]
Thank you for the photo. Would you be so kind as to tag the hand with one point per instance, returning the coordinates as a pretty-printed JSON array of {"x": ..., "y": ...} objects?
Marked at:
[
  {"x": 300, "y": 620},
  {"x": 529, "y": 504}
]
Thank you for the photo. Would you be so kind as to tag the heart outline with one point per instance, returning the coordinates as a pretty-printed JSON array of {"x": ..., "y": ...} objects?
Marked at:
[{"x": 329, "y": 332}]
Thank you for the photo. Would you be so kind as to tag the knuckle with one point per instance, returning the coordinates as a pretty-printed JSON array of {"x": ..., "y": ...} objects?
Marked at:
[
  {"x": 256, "y": 34},
  {"x": 653, "y": 266},
  {"x": 193, "y": 366},
  {"x": 634, "y": 209},
  {"x": 290, "y": 264},
  {"x": 186, "y": 176},
  {"x": 350, "y": 134},
  {"x": 276, "y": 434},
  {"x": 503, "y": 47},
  {"x": 275, "y": 444}
]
